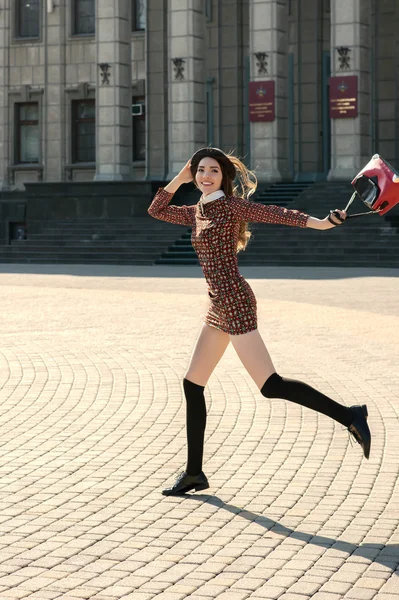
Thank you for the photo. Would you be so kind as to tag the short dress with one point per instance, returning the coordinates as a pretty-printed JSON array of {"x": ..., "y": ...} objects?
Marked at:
[{"x": 215, "y": 231}]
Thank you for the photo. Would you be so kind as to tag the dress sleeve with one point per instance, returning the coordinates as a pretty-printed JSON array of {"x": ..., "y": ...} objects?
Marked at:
[
  {"x": 179, "y": 215},
  {"x": 252, "y": 212}
]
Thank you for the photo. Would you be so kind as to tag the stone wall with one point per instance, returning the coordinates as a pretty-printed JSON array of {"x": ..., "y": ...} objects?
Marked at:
[{"x": 209, "y": 106}]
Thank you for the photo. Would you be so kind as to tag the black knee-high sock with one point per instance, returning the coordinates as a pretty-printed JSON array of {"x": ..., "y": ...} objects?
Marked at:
[
  {"x": 304, "y": 394},
  {"x": 195, "y": 423}
]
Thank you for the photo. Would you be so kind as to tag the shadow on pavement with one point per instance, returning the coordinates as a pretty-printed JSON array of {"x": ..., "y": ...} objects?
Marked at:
[{"x": 384, "y": 554}]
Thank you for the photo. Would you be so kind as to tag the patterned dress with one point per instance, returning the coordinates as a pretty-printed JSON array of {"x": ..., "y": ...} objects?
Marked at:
[{"x": 215, "y": 230}]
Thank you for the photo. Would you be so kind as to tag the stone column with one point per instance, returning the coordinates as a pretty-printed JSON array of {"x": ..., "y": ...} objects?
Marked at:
[
  {"x": 350, "y": 138},
  {"x": 5, "y": 20},
  {"x": 157, "y": 89},
  {"x": 268, "y": 22},
  {"x": 187, "y": 119},
  {"x": 114, "y": 91},
  {"x": 54, "y": 100}
]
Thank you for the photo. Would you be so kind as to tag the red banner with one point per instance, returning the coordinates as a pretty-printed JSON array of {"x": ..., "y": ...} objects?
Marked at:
[
  {"x": 343, "y": 97},
  {"x": 261, "y": 101}
]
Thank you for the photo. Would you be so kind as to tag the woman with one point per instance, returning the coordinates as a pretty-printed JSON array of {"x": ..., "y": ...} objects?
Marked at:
[{"x": 219, "y": 230}]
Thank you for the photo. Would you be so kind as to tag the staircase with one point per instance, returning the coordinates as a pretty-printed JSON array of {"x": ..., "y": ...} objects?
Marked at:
[
  {"x": 138, "y": 241},
  {"x": 280, "y": 194},
  {"x": 370, "y": 241}
]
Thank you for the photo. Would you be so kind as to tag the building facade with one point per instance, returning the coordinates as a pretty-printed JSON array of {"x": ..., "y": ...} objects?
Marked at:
[{"x": 129, "y": 89}]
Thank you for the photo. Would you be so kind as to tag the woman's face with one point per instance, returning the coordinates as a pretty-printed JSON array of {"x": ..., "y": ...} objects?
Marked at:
[{"x": 209, "y": 176}]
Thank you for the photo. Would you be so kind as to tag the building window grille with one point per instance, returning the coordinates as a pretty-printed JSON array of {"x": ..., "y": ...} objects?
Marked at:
[
  {"x": 138, "y": 128},
  {"x": 83, "y": 131},
  {"x": 28, "y": 133},
  {"x": 28, "y": 18},
  {"x": 84, "y": 17},
  {"x": 139, "y": 14}
]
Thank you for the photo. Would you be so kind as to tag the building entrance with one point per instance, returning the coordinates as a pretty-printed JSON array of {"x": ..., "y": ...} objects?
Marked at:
[{"x": 302, "y": 156}]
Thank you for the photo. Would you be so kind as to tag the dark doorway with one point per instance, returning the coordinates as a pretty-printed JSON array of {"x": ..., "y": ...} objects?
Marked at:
[{"x": 326, "y": 121}]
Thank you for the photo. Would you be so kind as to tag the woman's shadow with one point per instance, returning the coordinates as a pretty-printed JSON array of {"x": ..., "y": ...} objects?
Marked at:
[{"x": 384, "y": 554}]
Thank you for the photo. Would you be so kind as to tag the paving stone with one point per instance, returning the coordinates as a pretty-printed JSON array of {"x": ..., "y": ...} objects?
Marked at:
[
  {"x": 336, "y": 587},
  {"x": 373, "y": 583},
  {"x": 391, "y": 586},
  {"x": 92, "y": 419},
  {"x": 268, "y": 592},
  {"x": 230, "y": 595},
  {"x": 358, "y": 593},
  {"x": 305, "y": 588},
  {"x": 326, "y": 596}
]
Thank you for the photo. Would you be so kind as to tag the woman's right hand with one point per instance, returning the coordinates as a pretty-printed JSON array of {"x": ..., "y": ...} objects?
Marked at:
[{"x": 185, "y": 175}]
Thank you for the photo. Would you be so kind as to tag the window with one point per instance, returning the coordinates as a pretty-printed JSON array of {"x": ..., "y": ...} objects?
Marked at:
[
  {"x": 83, "y": 131},
  {"x": 27, "y": 18},
  {"x": 138, "y": 116},
  {"x": 208, "y": 10},
  {"x": 139, "y": 10},
  {"x": 28, "y": 136},
  {"x": 85, "y": 17}
]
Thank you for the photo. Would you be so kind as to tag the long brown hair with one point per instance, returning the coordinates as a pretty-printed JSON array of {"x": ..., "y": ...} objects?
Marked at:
[{"x": 245, "y": 186}]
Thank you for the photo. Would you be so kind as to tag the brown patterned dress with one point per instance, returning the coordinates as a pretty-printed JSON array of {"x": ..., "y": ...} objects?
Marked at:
[{"x": 215, "y": 230}]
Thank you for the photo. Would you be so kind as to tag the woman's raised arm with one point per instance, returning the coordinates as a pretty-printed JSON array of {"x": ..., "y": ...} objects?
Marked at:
[
  {"x": 160, "y": 207},
  {"x": 254, "y": 212}
]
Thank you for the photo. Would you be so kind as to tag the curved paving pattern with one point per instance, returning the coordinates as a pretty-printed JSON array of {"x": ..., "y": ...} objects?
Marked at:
[{"x": 92, "y": 427}]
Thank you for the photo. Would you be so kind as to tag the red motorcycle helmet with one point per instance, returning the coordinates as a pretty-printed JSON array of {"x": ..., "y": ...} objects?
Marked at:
[{"x": 377, "y": 185}]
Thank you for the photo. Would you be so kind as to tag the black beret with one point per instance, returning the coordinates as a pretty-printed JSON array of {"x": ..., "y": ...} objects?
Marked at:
[{"x": 217, "y": 154}]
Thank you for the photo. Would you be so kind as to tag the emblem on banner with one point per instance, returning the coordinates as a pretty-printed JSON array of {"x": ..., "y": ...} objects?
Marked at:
[
  {"x": 262, "y": 101},
  {"x": 343, "y": 97},
  {"x": 261, "y": 92}
]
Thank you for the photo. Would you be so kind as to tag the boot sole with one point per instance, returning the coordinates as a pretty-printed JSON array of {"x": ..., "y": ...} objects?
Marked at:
[
  {"x": 196, "y": 488},
  {"x": 203, "y": 486}
]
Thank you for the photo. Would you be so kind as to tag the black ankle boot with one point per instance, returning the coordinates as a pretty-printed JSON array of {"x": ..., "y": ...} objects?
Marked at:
[
  {"x": 185, "y": 482},
  {"x": 359, "y": 428}
]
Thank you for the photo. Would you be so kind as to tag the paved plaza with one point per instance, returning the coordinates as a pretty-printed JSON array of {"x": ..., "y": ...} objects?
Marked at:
[{"x": 92, "y": 426}]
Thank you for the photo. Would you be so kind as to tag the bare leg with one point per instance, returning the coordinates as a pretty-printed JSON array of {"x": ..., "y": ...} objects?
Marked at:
[
  {"x": 254, "y": 356},
  {"x": 209, "y": 349}
]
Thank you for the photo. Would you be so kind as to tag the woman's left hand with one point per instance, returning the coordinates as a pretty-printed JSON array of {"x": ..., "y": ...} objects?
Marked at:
[{"x": 335, "y": 218}]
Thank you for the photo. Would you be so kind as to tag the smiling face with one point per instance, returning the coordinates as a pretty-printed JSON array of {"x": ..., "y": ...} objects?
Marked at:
[{"x": 209, "y": 176}]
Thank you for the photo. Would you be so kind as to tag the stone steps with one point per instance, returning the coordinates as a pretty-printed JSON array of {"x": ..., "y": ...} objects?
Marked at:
[
  {"x": 66, "y": 260},
  {"x": 366, "y": 241},
  {"x": 280, "y": 194},
  {"x": 21, "y": 247},
  {"x": 96, "y": 239},
  {"x": 369, "y": 241},
  {"x": 114, "y": 241}
]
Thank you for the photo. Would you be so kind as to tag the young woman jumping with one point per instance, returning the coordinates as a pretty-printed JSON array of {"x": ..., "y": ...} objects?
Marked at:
[{"x": 219, "y": 230}]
